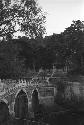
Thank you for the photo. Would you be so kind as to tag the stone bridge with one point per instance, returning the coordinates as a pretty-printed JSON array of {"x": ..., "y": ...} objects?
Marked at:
[{"x": 45, "y": 94}]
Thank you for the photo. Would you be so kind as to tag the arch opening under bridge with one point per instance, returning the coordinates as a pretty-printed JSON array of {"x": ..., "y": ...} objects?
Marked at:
[{"x": 21, "y": 105}]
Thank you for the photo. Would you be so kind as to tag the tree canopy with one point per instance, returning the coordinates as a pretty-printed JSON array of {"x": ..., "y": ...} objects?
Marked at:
[
  {"x": 21, "y": 15},
  {"x": 18, "y": 56}
]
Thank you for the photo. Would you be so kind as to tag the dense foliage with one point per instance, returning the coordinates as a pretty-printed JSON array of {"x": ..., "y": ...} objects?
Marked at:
[
  {"x": 21, "y": 15},
  {"x": 18, "y": 56}
]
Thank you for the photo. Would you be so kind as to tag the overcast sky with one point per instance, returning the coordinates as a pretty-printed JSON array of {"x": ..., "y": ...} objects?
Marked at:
[{"x": 60, "y": 13}]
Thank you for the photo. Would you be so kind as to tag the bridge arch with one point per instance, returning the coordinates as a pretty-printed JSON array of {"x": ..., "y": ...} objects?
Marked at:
[
  {"x": 5, "y": 101},
  {"x": 35, "y": 89},
  {"x": 35, "y": 101},
  {"x": 19, "y": 91},
  {"x": 4, "y": 111},
  {"x": 21, "y": 104}
]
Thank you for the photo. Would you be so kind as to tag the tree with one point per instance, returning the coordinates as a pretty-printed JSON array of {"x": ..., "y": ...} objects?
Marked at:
[
  {"x": 56, "y": 46},
  {"x": 11, "y": 65},
  {"x": 21, "y": 15},
  {"x": 73, "y": 38}
]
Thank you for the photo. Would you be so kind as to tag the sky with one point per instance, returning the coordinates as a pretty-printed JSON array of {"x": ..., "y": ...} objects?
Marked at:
[{"x": 61, "y": 13}]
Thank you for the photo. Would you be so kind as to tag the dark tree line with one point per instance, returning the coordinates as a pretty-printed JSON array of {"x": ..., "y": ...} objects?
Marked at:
[{"x": 17, "y": 56}]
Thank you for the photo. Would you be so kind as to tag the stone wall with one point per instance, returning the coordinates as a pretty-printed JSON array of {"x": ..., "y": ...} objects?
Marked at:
[
  {"x": 45, "y": 93},
  {"x": 73, "y": 94}
]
